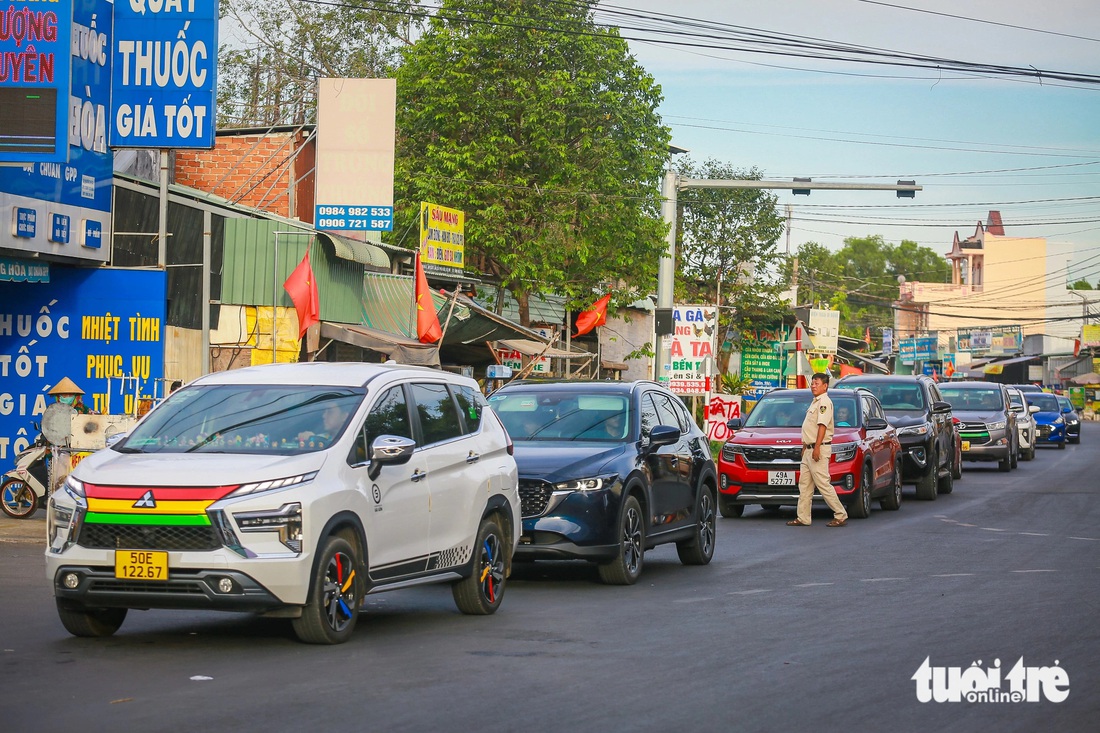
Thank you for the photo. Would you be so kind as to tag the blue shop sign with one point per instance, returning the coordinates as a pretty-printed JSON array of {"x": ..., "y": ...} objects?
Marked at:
[
  {"x": 25, "y": 223},
  {"x": 59, "y": 228},
  {"x": 163, "y": 90}
]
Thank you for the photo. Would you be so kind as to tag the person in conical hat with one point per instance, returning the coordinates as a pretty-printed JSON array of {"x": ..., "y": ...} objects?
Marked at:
[{"x": 67, "y": 393}]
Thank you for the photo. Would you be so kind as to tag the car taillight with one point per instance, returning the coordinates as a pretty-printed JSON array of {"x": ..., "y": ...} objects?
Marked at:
[{"x": 508, "y": 446}]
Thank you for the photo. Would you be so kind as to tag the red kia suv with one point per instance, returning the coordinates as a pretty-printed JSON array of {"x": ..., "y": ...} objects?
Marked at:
[{"x": 759, "y": 464}]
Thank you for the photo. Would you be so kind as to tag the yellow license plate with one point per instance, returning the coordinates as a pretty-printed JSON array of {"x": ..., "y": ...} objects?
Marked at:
[
  {"x": 966, "y": 445},
  {"x": 141, "y": 565}
]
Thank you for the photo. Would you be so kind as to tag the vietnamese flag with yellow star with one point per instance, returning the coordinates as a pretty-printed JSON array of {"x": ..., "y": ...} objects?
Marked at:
[{"x": 427, "y": 322}]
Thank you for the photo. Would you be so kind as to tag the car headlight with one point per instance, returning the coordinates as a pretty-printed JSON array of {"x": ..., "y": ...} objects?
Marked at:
[
  {"x": 74, "y": 488},
  {"x": 915, "y": 430},
  {"x": 1059, "y": 421},
  {"x": 279, "y": 483},
  {"x": 999, "y": 425},
  {"x": 730, "y": 450},
  {"x": 584, "y": 484},
  {"x": 844, "y": 451}
]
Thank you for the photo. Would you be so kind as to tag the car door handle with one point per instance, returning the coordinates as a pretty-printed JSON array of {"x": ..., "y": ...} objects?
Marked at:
[
  {"x": 418, "y": 475},
  {"x": 473, "y": 457}
]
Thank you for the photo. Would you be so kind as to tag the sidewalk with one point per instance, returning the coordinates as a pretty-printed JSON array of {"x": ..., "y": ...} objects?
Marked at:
[{"x": 30, "y": 531}]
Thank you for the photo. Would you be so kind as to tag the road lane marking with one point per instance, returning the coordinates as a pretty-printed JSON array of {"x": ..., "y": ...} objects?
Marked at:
[
  {"x": 749, "y": 592},
  {"x": 953, "y": 575},
  {"x": 812, "y": 585},
  {"x": 962, "y": 524},
  {"x": 1090, "y": 539},
  {"x": 694, "y": 600},
  {"x": 993, "y": 529},
  {"x": 879, "y": 580},
  {"x": 1034, "y": 571},
  {"x": 1034, "y": 534}
]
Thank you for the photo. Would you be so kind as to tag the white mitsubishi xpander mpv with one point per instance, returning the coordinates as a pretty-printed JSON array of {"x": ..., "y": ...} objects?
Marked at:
[{"x": 291, "y": 490}]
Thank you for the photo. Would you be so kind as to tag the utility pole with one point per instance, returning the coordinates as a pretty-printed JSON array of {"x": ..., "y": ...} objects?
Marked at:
[{"x": 671, "y": 183}]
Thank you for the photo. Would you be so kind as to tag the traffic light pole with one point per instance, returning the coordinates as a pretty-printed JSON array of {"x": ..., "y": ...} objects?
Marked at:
[{"x": 672, "y": 183}]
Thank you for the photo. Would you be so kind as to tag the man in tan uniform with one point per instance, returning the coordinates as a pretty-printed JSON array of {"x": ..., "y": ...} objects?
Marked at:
[{"x": 817, "y": 447}]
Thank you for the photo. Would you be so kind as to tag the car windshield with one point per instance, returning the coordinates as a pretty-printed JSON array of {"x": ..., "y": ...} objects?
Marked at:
[
  {"x": 557, "y": 415},
  {"x": 1016, "y": 399},
  {"x": 279, "y": 420},
  {"x": 895, "y": 396},
  {"x": 777, "y": 410},
  {"x": 962, "y": 398},
  {"x": 1045, "y": 402},
  {"x": 1064, "y": 403}
]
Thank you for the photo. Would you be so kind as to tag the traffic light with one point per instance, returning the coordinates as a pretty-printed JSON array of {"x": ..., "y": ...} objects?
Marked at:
[
  {"x": 907, "y": 194},
  {"x": 802, "y": 191}
]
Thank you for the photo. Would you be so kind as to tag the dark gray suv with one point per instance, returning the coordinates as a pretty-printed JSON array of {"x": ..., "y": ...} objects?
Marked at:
[
  {"x": 987, "y": 422},
  {"x": 914, "y": 406}
]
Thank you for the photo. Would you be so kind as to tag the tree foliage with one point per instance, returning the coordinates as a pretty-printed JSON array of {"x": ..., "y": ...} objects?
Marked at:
[
  {"x": 277, "y": 49},
  {"x": 861, "y": 278},
  {"x": 543, "y": 129},
  {"x": 1082, "y": 284}
]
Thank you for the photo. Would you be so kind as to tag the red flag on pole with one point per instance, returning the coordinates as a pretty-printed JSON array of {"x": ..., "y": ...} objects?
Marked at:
[
  {"x": 427, "y": 322},
  {"x": 302, "y": 289},
  {"x": 593, "y": 317}
]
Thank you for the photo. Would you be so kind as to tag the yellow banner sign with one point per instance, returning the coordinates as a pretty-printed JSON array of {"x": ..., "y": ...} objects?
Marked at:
[{"x": 442, "y": 237}]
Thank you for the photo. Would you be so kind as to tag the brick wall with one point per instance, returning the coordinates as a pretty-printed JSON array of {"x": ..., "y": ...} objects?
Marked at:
[{"x": 254, "y": 170}]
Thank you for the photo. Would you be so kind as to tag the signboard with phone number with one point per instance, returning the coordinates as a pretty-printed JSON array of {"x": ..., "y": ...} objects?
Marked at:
[{"x": 343, "y": 216}]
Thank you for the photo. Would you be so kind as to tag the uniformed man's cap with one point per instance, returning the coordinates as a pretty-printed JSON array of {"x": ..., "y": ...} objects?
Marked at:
[{"x": 66, "y": 386}]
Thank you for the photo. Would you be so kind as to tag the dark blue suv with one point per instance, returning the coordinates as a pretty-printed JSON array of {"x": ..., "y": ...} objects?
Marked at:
[{"x": 608, "y": 470}]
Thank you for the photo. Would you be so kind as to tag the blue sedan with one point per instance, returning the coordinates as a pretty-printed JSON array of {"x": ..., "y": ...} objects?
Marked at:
[{"x": 1049, "y": 419}]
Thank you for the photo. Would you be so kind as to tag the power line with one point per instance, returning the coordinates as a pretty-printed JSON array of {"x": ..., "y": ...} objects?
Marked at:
[{"x": 980, "y": 20}]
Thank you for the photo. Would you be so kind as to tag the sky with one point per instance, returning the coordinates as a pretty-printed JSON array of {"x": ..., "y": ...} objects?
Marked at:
[{"x": 1027, "y": 147}]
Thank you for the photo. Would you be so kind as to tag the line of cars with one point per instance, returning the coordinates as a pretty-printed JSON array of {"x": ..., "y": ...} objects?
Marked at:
[
  {"x": 889, "y": 430},
  {"x": 296, "y": 490}
]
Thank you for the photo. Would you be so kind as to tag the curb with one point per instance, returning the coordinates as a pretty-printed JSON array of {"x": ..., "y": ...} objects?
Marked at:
[{"x": 24, "y": 531}]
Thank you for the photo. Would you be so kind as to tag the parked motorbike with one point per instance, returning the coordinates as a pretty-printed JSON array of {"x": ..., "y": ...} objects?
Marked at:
[{"x": 24, "y": 487}]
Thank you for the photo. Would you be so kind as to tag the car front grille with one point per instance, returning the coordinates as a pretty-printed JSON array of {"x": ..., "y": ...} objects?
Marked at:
[
  {"x": 769, "y": 454},
  {"x": 152, "y": 537},
  {"x": 534, "y": 497}
]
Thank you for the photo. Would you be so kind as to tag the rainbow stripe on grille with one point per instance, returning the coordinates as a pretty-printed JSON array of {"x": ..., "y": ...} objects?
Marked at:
[{"x": 175, "y": 506}]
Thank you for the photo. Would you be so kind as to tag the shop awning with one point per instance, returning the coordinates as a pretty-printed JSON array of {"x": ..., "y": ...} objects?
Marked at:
[
  {"x": 365, "y": 253},
  {"x": 536, "y": 348},
  {"x": 997, "y": 367},
  {"x": 862, "y": 361},
  {"x": 398, "y": 348}
]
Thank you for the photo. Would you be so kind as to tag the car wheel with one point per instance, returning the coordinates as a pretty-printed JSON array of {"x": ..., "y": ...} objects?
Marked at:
[
  {"x": 481, "y": 592},
  {"x": 1075, "y": 439},
  {"x": 1062, "y": 445},
  {"x": 17, "y": 499},
  {"x": 330, "y": 614},
  {"x": 956, "y": 466},
  {"x": 700, "y": 549},
  {"x": 728, "y": 509},
  {"x": 89, "y": 622},
  {"x": 1016, "y": 456},
  {"x": 947, "y": 484},
  {"x": 1031, "y": 452},
  {"x": 928, "y": 486},
  {"x": 1005, "y": 464},
  {"x": 860, "y": 508},
  {"x": 627, "y": 566},
  {"x": 892, "y": 501}
]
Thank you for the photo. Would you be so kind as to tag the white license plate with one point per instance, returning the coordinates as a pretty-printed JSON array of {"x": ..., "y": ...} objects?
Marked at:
[{"x": 781, "y": 478}]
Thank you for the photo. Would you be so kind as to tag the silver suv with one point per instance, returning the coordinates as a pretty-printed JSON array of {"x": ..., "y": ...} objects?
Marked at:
[
  {"x": 292, "y": 490},
  {"x": 987, "y": 423},
  {"x": 1025, "y": 423}
]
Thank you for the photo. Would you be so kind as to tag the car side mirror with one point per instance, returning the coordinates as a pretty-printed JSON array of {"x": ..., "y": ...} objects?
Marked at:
[
  {"x": 1032, "y": 409},
  {"x": 940, "y": 407},
  {"x": 734, "y": 423},
  {"x": 876, "y": 423},
  {"x": 389, "y": 450},
  {"x": 663, "y": 435}
]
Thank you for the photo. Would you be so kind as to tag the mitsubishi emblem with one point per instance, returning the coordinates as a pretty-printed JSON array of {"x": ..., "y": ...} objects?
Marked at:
[{"x": 146, "y": 501}]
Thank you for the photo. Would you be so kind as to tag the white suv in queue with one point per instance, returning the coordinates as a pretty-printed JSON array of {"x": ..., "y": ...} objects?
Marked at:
[{"x": 292, "y": 490}]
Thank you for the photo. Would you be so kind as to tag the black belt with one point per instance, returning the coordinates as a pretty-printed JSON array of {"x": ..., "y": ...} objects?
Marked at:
[{"x": 810, "y": 447}]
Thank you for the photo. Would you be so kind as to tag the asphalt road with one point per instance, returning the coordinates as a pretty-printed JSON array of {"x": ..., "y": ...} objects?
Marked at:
[{"x": 788, "y": 629}]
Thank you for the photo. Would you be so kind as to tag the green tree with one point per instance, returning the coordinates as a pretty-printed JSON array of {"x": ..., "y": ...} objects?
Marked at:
[
  {"x": 543, "y": 129},
  {"x": 277, "y": 49},
  {"x": 1081, "y": 284}
]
